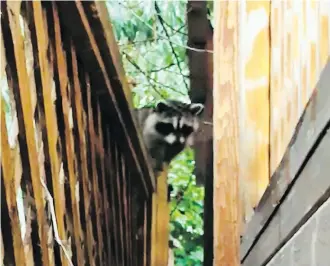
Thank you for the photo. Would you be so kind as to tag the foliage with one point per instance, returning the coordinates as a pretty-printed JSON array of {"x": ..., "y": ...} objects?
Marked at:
[
  {"x": 152, "y": 37},
  {"x": 147, "y": 55}
]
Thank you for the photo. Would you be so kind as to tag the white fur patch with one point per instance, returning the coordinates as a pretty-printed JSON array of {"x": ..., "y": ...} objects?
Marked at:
[
  {"x": 175, "y": 122},
  {"x": 170, "y": 139},
  {"x": 185, "y": 121},
  {"x": 196, "y": 125},
  {"x": 182, "y": 139},
  {"x": 150, "y": 122},
  {"x": 190, "y": 140}
]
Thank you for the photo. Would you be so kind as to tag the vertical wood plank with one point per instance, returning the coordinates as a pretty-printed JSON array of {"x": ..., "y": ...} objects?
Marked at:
[
  {"x": 63, "y": 80},
  {"x": 1, "y": 249},
  {"x": 51, "y": 119},
  {"x": 55, "y": 120},
  {"x": 225, "y": 134},
  {"x": 105, "y": 193},
  {"x": 111, "y": 173},
  {"x": 299, "y": 52},
  {"x": 15, "y": 156},
  {"x": 81, "y": 125},
  {"x": 253, "y": 82},
  {"x": 154, "y": 229},
  {"x": 11, "y": 182},
  {"x": 11, "y": 173},
  {"x": 95, "y": 186},
  {"x": 324, "y": 32},
  {"x": 160, "y": 223},
  {"x": 124, "y": 180},
  {"x": 25, "y": 106},
  {"x": 117, "y": 154},
  {"x": 145, "y": 234}
]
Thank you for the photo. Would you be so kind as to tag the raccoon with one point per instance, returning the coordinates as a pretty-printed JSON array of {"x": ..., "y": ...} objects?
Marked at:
[{"x": 168, "y": 129}]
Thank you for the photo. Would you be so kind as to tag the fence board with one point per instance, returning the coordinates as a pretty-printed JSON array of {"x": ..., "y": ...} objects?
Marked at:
[
  {"x": 11, "y": 182},
  {"x": 119, "y": 206},
  {"x": 11, "y": 179},
  {"x": 112, "y": 100},
  {"x": 92, "y": 136},
  {"x": 105, "y": 193},
  {"x": 160, "y": 223},
  {"x": 123, "y": 186},
  {"x": 317, "y": 114},
  {"x": 305, "y": 197},
  {"x": 61, "y": 69},
  {"x": 50, "y": 117},
  {"x": 300, "y": 48},
  {"x": 1, "y": 250},
  {"x": 225, "y": 126},
  {"x": 253, "y": 82},
  {"x": 24, "y": 101},
  {"x": 68, "y": 157}
]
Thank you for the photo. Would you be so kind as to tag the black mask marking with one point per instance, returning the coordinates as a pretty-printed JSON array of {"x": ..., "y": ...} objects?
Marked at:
[{"x": 164, "y": 128}]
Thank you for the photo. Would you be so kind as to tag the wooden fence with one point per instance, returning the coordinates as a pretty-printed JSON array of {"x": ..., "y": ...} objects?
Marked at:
[
  {"x": 75, "y": 185},
  {"x": 268, "y": 56},
  {"x": 286, "y": 53}
]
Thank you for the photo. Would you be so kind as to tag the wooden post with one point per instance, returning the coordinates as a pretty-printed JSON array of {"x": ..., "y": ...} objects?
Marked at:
[
  {"x": 225, "y": 124},
  {"x": 160, "y": 223}
]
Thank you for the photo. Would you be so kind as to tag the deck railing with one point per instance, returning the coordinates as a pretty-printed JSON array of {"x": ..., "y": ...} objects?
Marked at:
[{"x": 76, "y": 188}]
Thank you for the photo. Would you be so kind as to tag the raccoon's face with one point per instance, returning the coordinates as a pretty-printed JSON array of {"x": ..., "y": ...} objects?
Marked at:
[{"x": 174, "y": 122}]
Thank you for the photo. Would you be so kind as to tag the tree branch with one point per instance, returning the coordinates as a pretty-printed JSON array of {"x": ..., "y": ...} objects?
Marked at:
[
  {"x": 182, "y": 195},
  {"x": 161, "y": 20},
  {"x": 165, "y": 38},
  {"x": 129, "y": 59}
]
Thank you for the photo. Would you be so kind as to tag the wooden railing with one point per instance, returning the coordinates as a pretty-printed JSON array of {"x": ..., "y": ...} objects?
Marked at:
[{"x": 76, "y": 188}]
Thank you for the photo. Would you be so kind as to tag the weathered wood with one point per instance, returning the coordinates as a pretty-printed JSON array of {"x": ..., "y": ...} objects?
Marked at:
[
  {"x": 61, "y": 73},
  {"x": 68, "y": 158},
  {"x": 26, "y": 127},
  {"x": 311, "y": 124},
  {"x": 295, "y": 68},
  {"x": 225, "y": 132},
  {"x": 153, "y": 229},
  {"x": 117, "y": 204},
  {"x": 1, "y": 250},
  {"x": 309, "y": 192},
  {"x": 12, "y": 172},
  {"x": 80, "y": 118},
  {"x": 160, "y": 223},
  {"x": 111, "y": 171},
  {"x": 95, "y": 185},
  {"x": 254, "y": 104},
  {"x": 105, "y": 194},
  {"x": 145, "y": 234},
  {"x": 50, "y": 117},
  {"x": 99, "y": 61},
  {"x": 16, "y": 164},
  {"x": 121, "y": 201},
  {"x": 201, "y": 90},
  {"x": 124, "y": 181},
  {"x": 310, "y": 244}
]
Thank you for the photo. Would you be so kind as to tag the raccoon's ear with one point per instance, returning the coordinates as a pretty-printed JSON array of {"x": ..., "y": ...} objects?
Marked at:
[
  {"x": 196, "y": 108},
  {"x": 162, "y": 107}
]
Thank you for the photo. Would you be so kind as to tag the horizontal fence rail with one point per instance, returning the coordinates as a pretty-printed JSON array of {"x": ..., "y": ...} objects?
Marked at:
[{"x": 75, "y": 186}]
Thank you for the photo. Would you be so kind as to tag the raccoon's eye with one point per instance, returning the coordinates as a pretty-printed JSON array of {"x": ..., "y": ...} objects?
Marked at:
[
  {"x": 186, "y": 130},
  {"x": 164, "y": 128}
]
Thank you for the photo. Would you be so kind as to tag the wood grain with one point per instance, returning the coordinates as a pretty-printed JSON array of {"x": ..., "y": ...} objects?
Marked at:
[
  {"x": 225, "y": 132},
  {"x": 312, "y": 123}
]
